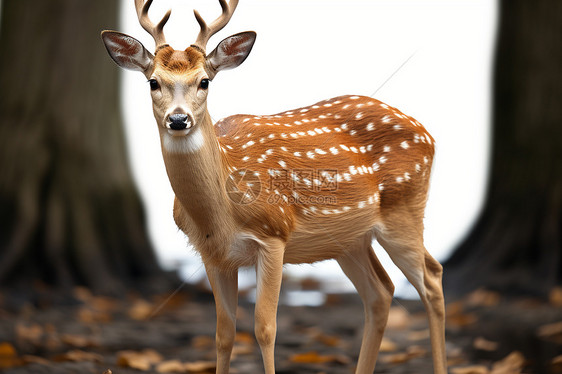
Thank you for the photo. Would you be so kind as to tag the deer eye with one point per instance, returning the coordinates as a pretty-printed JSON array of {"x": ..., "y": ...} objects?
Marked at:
[
  {"x": 204, "y": 84},
  {"x": 153, "y": 84}
]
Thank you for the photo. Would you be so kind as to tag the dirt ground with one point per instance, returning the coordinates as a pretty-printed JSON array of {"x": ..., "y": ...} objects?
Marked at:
[{"x": 174, "y": 333}]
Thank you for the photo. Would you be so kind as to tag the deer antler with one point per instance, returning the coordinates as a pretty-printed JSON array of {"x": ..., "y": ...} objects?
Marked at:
[
  {"x": 155, "y": 30},
  {"x": 208, "y": 31}
]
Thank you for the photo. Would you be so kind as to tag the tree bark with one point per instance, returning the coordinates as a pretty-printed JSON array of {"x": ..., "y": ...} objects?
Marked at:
[
  {"x": 516, "y": 245},
  {"x": 69, "y": 211}
]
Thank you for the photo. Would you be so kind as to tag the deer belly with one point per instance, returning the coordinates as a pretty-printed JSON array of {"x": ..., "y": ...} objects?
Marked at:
[{"x": 320, "y": 240}]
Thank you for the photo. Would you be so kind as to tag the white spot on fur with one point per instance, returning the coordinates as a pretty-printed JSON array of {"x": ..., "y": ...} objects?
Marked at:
[
  {"x": 404, "y": 145},
  {"x": 386, "y": 148},
  {"x": 344, "y": 147},
  {"x": 370, "y": 126},
  {"x": 282, "y": 163},
  {"x": 334, "y": 150},
  {"x": 386, "y": 119}
]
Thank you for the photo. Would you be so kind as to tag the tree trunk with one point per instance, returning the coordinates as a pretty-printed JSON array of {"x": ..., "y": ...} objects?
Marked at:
[
  {"x": 516, "y": 245},
  {"x": 69, "y": 211}
]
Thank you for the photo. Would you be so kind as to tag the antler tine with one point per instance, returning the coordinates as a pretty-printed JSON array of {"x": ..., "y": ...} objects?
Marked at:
[
  {"x": 209, "y": 30},
  {"x": 157, "y": 31}
]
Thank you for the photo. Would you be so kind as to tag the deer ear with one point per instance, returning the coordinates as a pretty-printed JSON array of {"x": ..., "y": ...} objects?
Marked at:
[
  {"x": 127, "y": 51},
  {"x": 231, "y": 52}
]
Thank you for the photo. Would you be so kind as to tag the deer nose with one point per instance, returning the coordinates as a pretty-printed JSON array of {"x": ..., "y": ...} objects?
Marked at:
[{"x": 178, "y": 121}]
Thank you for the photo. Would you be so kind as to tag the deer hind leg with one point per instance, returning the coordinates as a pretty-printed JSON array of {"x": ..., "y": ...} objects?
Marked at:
[
  {"x": 269, "y": 270},
  {"x": 402, "y": 238},
  {"x": 376, "y": 289}
]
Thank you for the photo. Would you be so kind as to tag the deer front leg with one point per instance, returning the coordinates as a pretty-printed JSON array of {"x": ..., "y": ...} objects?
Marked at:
[
  {"x": 225, "y": 289},
  {"x": 269, "y": 271}
]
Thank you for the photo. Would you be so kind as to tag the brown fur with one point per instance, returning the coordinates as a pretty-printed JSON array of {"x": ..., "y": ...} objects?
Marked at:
[{"x": 178, "y": 62}]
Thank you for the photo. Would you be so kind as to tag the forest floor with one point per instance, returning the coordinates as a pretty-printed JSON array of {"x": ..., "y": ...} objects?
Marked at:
[{"x": 486, "y": 334}]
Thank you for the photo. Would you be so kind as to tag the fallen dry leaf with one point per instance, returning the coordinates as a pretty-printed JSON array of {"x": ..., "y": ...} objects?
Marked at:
[
  {"x": 78, "y": 341},
  {"x": 387, "y": 345},
  {"x": 142, "y": 360},
  {"x": 172, "y": 366},
  {"x": 551, "y": 331},
  {"x": 456, "y": 317},
  {"x": 200, "y": 367},
  {"x": 474, "y": 369},
  {"x": 141, "y": 310},
  {"x": 77, "y": 355},
  {"x": 512, "y": 364},
  {"x": 398, "y": 318},
  {"x": 314, "y": 357},
  {"x": 244, "y": 338},
  {"x": 555, "y": 296},
  {"x": 556, "y": 365},
  {"x": 321, "y": 337},
  {"x": 242, "y": 350},
  {"x": 30, "y": 359},
  {"x": 203, "y": 342},
  {"x": 482, "y": 297},
  {"x": 399, "y": 358},
  {"x": 88, "y": 315},
  {"x": 29, "y": 334},
  {"x": 7, "y": 350},
  {"x": 418, "y": 335},
  {"x": 484, "y": 344},
  {"x": 8, "y": 356}
]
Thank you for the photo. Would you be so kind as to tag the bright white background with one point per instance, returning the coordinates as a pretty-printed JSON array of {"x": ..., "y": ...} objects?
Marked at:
[{"x": 307, "y": 51}]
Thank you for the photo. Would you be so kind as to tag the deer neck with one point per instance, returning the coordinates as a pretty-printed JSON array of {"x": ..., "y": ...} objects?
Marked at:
[{"x": 197, "y": 172}]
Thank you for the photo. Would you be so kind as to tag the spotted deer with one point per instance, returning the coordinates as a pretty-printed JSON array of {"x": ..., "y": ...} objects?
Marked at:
[{"x": 309, "y": 184}]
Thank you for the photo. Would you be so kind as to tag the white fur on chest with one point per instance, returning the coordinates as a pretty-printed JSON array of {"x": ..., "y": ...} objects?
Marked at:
[{"x": 244, "y": 249}]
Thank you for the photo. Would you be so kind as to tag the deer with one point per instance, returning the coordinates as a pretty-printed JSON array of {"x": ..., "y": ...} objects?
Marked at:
[{"x": 305, "y": 185}]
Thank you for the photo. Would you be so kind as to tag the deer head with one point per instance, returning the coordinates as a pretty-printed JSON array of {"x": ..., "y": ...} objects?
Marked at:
[{"x": 179, "y": 80}]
